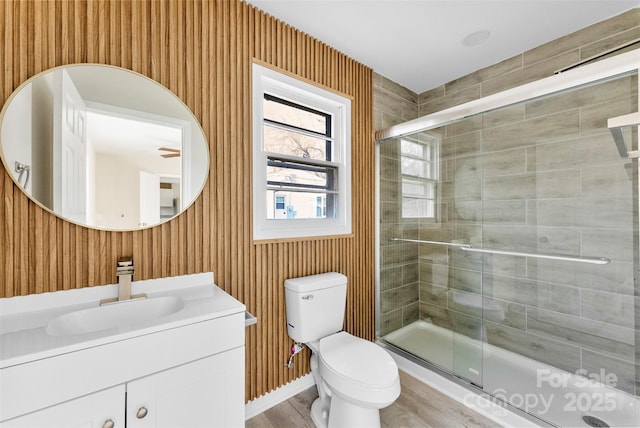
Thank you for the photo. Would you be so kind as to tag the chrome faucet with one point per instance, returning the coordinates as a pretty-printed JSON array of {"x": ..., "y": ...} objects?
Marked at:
[{"x": 124, "y": 274}]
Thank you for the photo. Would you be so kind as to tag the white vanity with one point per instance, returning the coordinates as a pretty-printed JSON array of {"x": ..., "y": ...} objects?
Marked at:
[{"x": 174, "y": 359}]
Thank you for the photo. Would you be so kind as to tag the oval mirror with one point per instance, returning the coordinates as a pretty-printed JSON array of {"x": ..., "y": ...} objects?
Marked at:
[{"x": 103, "y": 147}]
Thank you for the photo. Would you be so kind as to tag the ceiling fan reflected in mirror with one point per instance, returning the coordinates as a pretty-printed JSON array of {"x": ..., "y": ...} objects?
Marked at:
[{"x": 171, "y": 153}]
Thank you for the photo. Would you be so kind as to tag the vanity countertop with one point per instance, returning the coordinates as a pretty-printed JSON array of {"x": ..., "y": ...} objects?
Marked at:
[{"x": 24, "y": 319}]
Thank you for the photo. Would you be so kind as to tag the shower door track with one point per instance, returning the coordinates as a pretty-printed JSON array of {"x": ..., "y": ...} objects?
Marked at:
[{"x": 464, "y": 383}]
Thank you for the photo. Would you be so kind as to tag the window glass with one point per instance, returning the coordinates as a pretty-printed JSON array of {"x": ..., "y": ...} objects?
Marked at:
[
  {"x": 281, "y": 111},
  {"x": 298, "y": 205},
  {"x": 293, "y": 174},
  {"x": 292, "y": 143}
]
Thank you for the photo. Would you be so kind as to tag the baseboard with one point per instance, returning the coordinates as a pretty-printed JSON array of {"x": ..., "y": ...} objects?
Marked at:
[{"x": 277, "y": 396}]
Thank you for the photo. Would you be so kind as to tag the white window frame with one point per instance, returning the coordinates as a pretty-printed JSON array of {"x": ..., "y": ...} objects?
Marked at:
[{"x": 266, "y": 80}]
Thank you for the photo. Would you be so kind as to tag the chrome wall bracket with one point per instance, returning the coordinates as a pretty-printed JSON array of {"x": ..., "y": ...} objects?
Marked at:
[{"x": 615, "y": 125}]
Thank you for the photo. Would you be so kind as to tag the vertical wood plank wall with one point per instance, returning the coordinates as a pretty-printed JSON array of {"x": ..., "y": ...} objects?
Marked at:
[{"x": 202, "y": 51}]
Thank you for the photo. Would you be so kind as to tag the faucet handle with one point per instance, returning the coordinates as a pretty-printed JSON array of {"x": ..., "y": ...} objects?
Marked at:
[
  {"x": 125, "y": 261},
  {"x": 125, "y": 266}
]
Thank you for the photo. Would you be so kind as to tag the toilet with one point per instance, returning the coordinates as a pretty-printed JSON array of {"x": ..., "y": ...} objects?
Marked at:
[{"x": 355, "y": 378}]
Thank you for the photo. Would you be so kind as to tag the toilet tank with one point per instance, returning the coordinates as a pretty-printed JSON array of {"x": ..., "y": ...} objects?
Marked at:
[{"x": 315, "y": 305}]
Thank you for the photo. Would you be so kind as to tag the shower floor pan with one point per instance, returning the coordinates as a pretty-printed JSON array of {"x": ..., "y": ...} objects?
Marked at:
[{"x": 554, "y": 395}]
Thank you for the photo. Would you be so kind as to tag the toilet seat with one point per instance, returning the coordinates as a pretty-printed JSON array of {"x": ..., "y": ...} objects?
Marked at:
[{"x": 358, "y": 369}]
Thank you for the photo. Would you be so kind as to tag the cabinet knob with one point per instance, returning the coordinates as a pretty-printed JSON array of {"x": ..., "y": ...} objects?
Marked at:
[
  {"x": 108, "y": 424},
  {"x": 142, "y": 412}
]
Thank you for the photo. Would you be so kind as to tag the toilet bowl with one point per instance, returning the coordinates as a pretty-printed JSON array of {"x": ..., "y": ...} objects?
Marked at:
[
  {"x": 359, "y": 370},
  {"x": 355, "y": 378}
]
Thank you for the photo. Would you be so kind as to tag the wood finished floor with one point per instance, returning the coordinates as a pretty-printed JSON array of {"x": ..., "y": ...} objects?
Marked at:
[{"x": 419, "y": 406}]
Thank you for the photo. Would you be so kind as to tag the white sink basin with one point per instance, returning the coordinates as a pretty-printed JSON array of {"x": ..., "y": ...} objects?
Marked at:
[{"x": 114, "y": 315}]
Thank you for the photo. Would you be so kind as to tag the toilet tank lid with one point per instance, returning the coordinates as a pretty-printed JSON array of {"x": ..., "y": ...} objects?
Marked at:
[{"x": 305, "y": 284}]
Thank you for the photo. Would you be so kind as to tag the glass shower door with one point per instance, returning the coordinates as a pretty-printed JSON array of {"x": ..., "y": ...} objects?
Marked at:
[
  {"x": 559, "y": 250},
  {"x": 510, "y": 247},
  {"x": 430, "y": 295}
]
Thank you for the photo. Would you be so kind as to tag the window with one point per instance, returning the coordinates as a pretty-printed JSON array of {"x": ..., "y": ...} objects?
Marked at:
[
  {"x": 419, "y": 178},
  {"x": 301, "y": 158}
]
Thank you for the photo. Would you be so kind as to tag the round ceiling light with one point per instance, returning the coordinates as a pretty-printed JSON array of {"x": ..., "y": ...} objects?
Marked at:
[{"x": 476, "y": 38}]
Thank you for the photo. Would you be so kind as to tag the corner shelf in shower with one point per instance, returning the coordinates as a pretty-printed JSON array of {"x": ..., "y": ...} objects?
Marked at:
[{"x": 615, "y": 125}]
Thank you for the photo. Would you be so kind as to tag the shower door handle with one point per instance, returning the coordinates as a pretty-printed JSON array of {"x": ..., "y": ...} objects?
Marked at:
[
  {"x": 558, "y": 257},
  {"x": 422, "y": 241},
  {"x": 469, "y": 248}
]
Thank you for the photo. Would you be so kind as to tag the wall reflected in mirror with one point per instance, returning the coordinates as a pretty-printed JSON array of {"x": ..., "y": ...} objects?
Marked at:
[{"x": 103, "y": 147}]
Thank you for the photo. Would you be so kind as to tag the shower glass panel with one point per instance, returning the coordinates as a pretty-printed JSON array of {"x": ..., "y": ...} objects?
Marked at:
[
  {"x": 508, "y": 242},
  {"x": 420, "y": 233}
]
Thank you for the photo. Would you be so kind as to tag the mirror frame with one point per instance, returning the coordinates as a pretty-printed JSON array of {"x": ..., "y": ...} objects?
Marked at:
[{"x": 164, "y": 89}]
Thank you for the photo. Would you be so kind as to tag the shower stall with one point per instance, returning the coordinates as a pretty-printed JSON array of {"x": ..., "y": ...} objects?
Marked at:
[{"x": 508, "y": 245}]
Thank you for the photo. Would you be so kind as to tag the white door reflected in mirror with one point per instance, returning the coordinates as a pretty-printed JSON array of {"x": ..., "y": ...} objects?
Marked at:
[
  {"x": 103, "y": 147},
  {"x": 69, "y": 149},
  {"x": 149, "y": 198}
]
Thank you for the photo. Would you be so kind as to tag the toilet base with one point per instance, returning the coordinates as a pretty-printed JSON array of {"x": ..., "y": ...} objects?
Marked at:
[
  {"x": 344, "y": 414},
  {"x": 319, "y": 416}
]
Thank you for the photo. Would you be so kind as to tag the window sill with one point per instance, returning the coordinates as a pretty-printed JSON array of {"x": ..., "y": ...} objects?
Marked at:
[{"x": 303, "y": 239}]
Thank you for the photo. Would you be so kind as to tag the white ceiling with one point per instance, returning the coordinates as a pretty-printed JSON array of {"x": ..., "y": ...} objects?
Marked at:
[{"x": 418, "y": 43}]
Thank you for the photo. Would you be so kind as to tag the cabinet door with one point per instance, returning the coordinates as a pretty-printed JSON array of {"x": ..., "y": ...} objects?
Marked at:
[
  {"x": 205, "y": 393},
  {"x": 91, "y": 411}
]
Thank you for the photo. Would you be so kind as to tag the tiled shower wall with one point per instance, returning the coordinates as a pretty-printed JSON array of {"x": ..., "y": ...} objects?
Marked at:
[
  {"x": 553, "y": 313},
  {"x": 399, "y": 273},
  {"x": 534, "y": 64}
]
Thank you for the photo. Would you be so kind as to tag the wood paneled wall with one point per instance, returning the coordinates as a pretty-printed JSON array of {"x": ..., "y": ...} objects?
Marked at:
[{"x": 202, "y": 51}]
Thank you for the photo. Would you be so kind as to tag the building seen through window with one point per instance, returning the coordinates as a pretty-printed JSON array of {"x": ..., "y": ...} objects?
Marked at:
[{"x": 298, "y": 141}]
